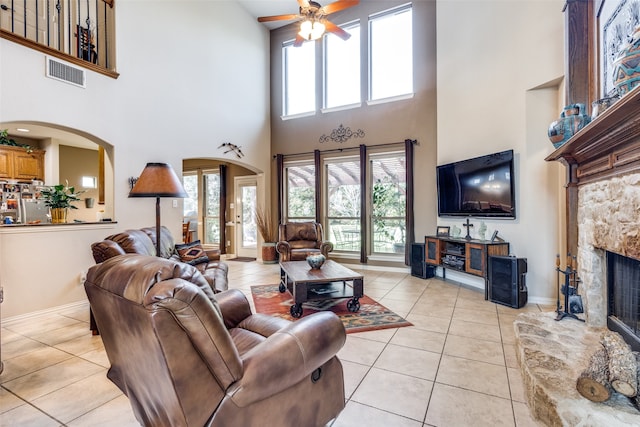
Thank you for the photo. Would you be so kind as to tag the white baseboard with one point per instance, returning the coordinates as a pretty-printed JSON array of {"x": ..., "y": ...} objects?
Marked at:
[{"x": 45, "y": 311}]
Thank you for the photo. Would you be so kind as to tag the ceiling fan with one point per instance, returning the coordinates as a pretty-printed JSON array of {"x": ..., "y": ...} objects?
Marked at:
[{"x": 314, "y": 22}]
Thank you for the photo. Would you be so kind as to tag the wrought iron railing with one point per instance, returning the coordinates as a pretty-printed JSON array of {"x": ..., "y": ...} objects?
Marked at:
[{"x": 79, "y": 31}]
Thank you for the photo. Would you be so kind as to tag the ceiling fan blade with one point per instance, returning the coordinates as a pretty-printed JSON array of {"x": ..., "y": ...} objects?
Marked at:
[
  {"x": 278, "y": 17},
  {"x": 303, "y": 3},
  {"x": 333, "y": 28},
  {"x": 299, "y": 40},
  {"x": 337, "y": 6}
]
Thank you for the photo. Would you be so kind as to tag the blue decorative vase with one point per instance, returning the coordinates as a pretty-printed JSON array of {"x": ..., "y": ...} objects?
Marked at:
[
  {"x": 316, "y": 261},
  {"x": 573, "y": 118}
]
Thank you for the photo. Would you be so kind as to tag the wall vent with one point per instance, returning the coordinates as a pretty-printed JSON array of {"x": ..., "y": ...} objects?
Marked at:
[{"x": 66, "y": 73}]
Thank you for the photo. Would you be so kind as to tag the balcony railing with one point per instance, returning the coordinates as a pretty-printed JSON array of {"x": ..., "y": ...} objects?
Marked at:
[{"x": 79, "y": 31}]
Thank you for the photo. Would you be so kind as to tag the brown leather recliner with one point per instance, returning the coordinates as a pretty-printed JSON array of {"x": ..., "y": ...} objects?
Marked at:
[
  {"x": 299, "y": 239},
  {"x": 143, "y": 242},
  {"x": 185, "y": 356}
]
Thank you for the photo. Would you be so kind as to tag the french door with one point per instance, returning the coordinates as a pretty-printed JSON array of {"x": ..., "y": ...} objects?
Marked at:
[{"x": 246, "y": 239}]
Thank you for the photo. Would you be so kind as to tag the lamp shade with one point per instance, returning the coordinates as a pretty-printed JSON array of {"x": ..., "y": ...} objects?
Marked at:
[{"x": 158, "y": 180}]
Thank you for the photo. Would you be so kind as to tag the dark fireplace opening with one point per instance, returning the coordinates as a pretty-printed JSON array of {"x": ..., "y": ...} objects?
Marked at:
[{"x": 623, "y": 283}]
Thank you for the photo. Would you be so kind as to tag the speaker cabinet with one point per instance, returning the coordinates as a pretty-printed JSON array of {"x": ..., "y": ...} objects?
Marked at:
[
  {"x": 507, "y": 281},
  {"x": 419, "y": 268}
]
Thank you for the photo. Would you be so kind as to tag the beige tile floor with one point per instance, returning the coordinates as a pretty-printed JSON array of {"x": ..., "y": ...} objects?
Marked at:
[{"x": 455, "y": 367}]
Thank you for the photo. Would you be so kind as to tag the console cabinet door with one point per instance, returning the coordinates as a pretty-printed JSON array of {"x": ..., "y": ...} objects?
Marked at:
[
  {"x": 432, "y": 250},
  {"x": 475, "y": 262}
]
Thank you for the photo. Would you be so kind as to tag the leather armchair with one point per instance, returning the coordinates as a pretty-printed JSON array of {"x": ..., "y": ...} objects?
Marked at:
[
  {"x": 185, "y": 356},
  {"x": 299, "y": 239}
]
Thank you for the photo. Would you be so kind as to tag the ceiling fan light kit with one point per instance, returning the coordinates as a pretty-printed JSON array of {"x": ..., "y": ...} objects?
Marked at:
[
  {"x": 311, "y": 30},
  {"x": 313, "y": 23}
]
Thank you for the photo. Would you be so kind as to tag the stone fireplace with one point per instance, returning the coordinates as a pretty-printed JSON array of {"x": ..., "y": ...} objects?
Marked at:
[
  {"x": 603, "y": 217},
  {"x": 608, "y": 221}
]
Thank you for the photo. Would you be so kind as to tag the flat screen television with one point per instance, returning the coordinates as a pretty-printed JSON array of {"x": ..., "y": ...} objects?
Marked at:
[{"x": 479, "y": 187}]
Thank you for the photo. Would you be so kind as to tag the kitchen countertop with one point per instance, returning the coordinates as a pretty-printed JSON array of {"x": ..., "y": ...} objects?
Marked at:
[{"x": 48, "y": 224}]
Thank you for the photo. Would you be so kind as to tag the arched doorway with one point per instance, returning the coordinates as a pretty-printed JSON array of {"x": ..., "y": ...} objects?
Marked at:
[
  {"x": 70, "y": 156},
  {"x": 219, "y": 215}
]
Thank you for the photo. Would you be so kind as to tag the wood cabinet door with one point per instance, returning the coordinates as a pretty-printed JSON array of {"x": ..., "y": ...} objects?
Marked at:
[
  {"x": 6, "y": 164},
  {"x": 475, "y": 262},
  {"x": 432, "y": 251},
  {"x": 29, "y": 165}
]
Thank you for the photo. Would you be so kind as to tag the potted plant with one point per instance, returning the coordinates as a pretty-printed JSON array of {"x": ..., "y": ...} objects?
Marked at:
[
  {"x": 59, "y": 198},
  {"x": 269, "y": 236},
  {"x": 5, "y": 140}
]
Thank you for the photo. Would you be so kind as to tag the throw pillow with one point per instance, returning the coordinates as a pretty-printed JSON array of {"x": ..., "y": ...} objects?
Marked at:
[{"x": 192, "y": 253}]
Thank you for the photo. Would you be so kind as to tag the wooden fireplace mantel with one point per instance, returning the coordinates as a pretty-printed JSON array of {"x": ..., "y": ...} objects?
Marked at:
[{"x": 606, "y": 147}]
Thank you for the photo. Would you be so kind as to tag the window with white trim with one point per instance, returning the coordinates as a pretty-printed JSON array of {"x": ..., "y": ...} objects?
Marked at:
[
  {"x": 342, "y": 68},
  {"x": 299, "y": 83},
  {"x": 300, "y": 179},
  {"x": 391, "y": 53}
]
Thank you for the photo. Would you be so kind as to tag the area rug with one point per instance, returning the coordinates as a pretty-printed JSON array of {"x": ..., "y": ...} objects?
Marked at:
[
  {"x": 241, "y": 259},
  {"x": 371, "y": 316}
]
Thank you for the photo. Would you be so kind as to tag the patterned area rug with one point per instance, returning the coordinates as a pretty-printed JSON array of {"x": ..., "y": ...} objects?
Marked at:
[{"x": 371, "y": 316}]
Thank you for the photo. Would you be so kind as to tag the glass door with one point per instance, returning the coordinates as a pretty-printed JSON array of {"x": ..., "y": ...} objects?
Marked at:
[
  {"x": 211, "y": 218},
  {"x": 245, "y": 208}
]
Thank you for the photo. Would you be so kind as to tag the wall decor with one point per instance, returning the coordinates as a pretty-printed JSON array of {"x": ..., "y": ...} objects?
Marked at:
[
  {"x": 617, "y": 21},
  {"x": 132, "y": 181},
  {"x": 232, "y": 148},
  {"x": 342, "y": 134}
]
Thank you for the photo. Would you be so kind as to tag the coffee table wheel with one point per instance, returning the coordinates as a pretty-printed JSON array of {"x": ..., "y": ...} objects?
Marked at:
[
  {"x": 282, "y": 288},
  {"x": 296, "y": 310},
  {"x": 353, "y": 305}
]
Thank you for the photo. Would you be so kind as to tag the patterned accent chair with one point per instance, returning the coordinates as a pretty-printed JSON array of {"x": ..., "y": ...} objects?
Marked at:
[{"x": 297, "y": 240}]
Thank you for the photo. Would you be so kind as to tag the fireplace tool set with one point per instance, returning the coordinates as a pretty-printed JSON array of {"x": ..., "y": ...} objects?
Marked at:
[{"x": 572, "y": 301}]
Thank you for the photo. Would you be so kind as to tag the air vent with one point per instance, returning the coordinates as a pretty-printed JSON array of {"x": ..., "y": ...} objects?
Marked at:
[{"x": 64, "y": 72}]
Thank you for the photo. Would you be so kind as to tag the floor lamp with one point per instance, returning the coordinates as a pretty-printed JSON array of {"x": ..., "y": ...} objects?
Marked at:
[{"x": 158, "y": 180}]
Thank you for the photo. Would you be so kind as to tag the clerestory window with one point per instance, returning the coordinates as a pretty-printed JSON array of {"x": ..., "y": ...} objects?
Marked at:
[{"x": 380, "y": 59}]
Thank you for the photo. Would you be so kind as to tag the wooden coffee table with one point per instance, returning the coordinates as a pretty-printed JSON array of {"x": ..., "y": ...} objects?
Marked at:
[{"x": 331, "y": 281}]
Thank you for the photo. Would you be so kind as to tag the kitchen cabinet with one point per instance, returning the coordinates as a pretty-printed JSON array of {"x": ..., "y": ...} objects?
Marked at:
[{"x": 17, "y": 163}]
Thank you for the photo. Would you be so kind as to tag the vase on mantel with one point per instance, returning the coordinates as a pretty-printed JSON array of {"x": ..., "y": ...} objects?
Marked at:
[
  {"x": 573, "y": 118},
  {"x": 626, "y": 66}
]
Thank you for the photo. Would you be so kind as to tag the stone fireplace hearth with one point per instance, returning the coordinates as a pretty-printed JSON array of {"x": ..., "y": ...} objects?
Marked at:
[{"x": 552, "y": 354}]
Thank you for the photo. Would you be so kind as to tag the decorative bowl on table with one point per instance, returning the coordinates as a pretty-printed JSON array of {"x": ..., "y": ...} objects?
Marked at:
[{"x": 315, "y": 261}]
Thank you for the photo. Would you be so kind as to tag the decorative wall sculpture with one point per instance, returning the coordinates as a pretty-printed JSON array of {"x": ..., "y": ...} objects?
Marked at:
[
  {"x": 342, "y": 134},
  {"x": 231, "y": 148}
]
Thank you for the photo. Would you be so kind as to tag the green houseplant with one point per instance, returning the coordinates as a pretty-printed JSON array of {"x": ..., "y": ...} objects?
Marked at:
[
  {"x": 5, "y": 140},
  {"x": 60, "y": 199}
]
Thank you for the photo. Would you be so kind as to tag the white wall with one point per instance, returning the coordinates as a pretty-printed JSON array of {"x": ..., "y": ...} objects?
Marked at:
[
  {"x": 193, "y": 74},
  {"x": 499, "y": 65}
]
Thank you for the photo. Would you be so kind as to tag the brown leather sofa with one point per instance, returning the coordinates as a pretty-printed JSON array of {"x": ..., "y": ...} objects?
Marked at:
[
  {"x": 143, "y": 242},
  {"x": 299, "y": 239},
  {"x": 185, "y": 356}
]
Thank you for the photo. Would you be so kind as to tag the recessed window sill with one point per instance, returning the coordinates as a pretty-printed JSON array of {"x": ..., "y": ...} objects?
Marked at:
[
  {"x": 341, "y": 108},
  {"x": 298, "y": 116},
  {"x": 390, "y": 99}
]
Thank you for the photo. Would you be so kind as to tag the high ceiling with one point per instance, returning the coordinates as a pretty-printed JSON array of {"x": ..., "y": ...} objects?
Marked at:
[{"x": 257, "y": 8}]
